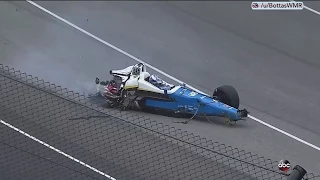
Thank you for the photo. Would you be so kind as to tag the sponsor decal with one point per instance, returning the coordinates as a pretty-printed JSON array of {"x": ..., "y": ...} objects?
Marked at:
[
  {"x": 192, "y": 93},
  {"x": 227, "y": 106}
]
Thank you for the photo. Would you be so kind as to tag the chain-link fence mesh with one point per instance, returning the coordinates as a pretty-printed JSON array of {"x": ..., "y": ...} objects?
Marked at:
[{"x": 48, "y": 132}]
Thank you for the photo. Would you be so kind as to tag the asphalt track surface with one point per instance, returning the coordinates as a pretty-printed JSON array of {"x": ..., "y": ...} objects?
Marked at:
[
  {"x": 108, "y": 144},
  {"x": 270, "y": 57}
]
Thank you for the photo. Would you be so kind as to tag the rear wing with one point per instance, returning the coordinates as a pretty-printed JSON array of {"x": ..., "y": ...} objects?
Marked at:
[
  {"x": 122, "y": 72},
  {"x": 135, "y": 69}
]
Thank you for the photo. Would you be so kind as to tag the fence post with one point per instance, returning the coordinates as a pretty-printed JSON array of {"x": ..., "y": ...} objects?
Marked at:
[{"x": 297, "y": 173}]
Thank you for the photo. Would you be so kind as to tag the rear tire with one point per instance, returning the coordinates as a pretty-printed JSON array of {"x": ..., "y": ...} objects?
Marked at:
[{"x": 227, "y": 95}]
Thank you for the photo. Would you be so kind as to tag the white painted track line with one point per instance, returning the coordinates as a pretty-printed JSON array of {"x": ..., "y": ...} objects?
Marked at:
[
  {"x": 163, "y": 73},
  {"x": 309, "y": 9},
  {"x": 57, "y": 150}
]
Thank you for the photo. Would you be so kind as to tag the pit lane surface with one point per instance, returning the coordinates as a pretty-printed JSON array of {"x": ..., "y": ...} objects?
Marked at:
[{"x": 270, "y": 57}]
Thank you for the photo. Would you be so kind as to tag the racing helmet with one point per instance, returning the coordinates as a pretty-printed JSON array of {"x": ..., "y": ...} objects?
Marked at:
[{"x": 155, "y": 80}]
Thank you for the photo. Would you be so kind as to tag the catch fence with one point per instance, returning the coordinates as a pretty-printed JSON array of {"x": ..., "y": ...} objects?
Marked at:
[{"x": 48, "y": 132}]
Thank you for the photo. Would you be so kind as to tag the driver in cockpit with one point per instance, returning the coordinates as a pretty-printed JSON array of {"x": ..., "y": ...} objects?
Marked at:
[{"x": 161, "y": 84}]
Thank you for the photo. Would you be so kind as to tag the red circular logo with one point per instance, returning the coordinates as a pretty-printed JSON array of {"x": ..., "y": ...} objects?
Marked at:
[{"x": 284, "y": 165}]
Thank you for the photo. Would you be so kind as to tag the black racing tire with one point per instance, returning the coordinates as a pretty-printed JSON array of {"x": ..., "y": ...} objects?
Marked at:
[{"x": 227, "y": 95}]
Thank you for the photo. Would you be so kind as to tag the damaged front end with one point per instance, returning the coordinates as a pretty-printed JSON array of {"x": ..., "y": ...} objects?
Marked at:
[
  {"x": 243, "y": 113},
  {"x": 109, "y": 90}
]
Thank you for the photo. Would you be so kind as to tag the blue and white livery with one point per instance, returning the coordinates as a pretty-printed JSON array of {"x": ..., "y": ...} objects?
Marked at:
[{"x": 137, "y": 88}]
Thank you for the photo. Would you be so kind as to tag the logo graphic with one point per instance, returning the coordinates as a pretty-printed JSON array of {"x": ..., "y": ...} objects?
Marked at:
[
  {"x": 284, "y": 165},
  {"x": 254, "y": 5},
  {"x": 192, "y": 93}
]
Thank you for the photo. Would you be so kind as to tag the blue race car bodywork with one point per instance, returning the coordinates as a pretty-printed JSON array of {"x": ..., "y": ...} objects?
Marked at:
[
  {"x": 134, "y": 86},
  {"x": 186, "y": 101}
]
